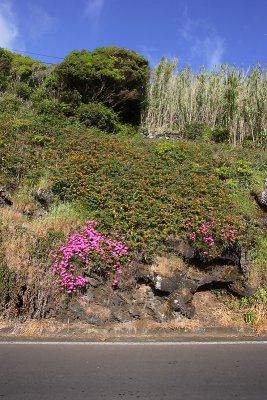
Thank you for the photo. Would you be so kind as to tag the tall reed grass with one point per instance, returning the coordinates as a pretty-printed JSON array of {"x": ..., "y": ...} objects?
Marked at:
[{"x": 230, "y": 98}]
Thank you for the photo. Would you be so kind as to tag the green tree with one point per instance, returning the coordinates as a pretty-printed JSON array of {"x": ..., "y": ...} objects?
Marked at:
[
  {"x": 16, "y": 68},
  {"x": 113, "y": 76},
  {"x": 5, "y": 65}
]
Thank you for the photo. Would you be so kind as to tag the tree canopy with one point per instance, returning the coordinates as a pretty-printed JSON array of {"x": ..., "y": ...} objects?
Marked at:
[{"x": 113, "y": 76}]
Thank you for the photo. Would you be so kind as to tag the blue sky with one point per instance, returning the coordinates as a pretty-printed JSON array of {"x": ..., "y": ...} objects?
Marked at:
[{"x": 197, "y": 32}]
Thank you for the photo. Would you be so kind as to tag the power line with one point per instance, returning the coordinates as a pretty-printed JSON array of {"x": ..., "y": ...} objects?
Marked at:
[{"x": 35, "y": 54}]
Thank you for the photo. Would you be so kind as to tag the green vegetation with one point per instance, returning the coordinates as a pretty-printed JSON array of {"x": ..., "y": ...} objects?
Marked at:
[
  {"x": 253, "y": 309},
  {"x": 96, "y": 114},
  {"x": 230, "y": 102},
  {"x": 73, "y": 129},
  {"x": 113, "y": 76}
]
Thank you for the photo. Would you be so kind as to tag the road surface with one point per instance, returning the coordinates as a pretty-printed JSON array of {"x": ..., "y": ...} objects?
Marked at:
[{"x": 158, "y": 371}]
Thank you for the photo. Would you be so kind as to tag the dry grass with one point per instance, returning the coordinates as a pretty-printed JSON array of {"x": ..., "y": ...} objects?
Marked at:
[
  {"x": 20, "y": 237},
  {"x": 142, "y": 326},
  {"x": 53, "y": 328},
  {"x": 25, "y": 254},
  {"x": 260, "y": 318},
  {"x": 210, "y": 311},
  {"x": 34, "y": 280},
  {"x": 148, "y": 327},
  {"x": 24, "y": 201},
  {"x": 10, "y": 216},
  {"x": 62, "y": 218},
  {"x": 15, "y": 240},
  {"x": 184, "y": 325},
  {"x": 16, "y": 247}
]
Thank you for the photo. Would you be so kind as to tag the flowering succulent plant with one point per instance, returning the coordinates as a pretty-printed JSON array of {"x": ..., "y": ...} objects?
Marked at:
[
  {"x": 212, "y": 236},
  {"x": 89, "y": 250}
]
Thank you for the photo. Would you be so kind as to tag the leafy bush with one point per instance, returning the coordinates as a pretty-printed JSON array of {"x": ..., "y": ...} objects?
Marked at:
[
  {"x": 244, "y": 168},
  {"x": 67, "y": 109},
  {"x": 5, "y": 66},
  {"x": 22, "y": 90},
  {"x": 96, "y": 114},
  {"x": 113, "y": 76},
  {"x": 42, "y": 93},
  {"x": 9, "y": 102},
  {"x": 127, "y": 129},
  {"x": 40, "y": 140},
  {"x": 51, "y": 83},
  {"x": 24, "y": 69},
  {"x": 71, "y": 97},
  {"x": 253, "y": 308},
  {"x": 220, "y": 135},
  {"x": 258, "y": 256},
  {"x": 241, "y": 172},
  {"x": 197, "y": 130},
  {"x": 225, "y": 172},
  {"x": 48, "y": 107},
  {"x": 22, "y": 125},
  {"x": 170, "y": 151}
]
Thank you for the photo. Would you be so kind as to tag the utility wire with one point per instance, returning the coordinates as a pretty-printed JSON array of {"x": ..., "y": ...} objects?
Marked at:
[{"x": 35, "y": 54}]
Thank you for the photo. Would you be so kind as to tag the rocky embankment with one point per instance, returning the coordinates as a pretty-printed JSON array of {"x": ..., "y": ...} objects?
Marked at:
[{"x": 164, "y": 290}]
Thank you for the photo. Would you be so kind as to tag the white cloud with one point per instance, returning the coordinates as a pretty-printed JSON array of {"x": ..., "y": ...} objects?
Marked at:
[
  {"x": 205, "y": 44},
  {"x": 150, "y": 53},
  {"x": 93, "y": 10},
  {"x": 39, "y": 21},
  {"x": 9, "y": 33},
  {"x": 38, "y": 24},
  {"x": 209, "y": 49},
  {"x": 216, "y": 52}
]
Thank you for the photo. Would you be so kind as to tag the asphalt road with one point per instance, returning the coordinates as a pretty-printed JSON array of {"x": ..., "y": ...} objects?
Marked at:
[{"x": 206, "y": 371}]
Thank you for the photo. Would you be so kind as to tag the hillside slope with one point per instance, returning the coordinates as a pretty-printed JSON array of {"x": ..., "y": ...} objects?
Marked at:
[{"x": 107, "y": 228}]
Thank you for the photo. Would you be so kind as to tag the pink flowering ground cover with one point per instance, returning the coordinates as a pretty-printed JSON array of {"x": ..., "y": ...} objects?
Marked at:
[
  {"x": 212, "y": 236},
  {"x": 87, "y": 250}
]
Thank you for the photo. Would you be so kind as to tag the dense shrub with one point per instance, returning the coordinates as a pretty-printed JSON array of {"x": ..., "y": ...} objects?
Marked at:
[
  {"x": 9, "y": 102},
  {"x": 24, "y": 69},
  {"x": 5, "y": 66},
  {"x": 240, "y": 172},
  {"x": 113, "y": 76},
  {"x": 71, "y": 97},
  {"x": 145, "y": 191},
  {"x": 220, "y": 135},
  {"x": 48, "y": 107},
  {"x": 127, "y": 129},
  {"x": 40, "y": 140},
  {"x": 22, "y": 90},
  {"x": 197, "y": 130},
  {"x": 96, "y": 114}
]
